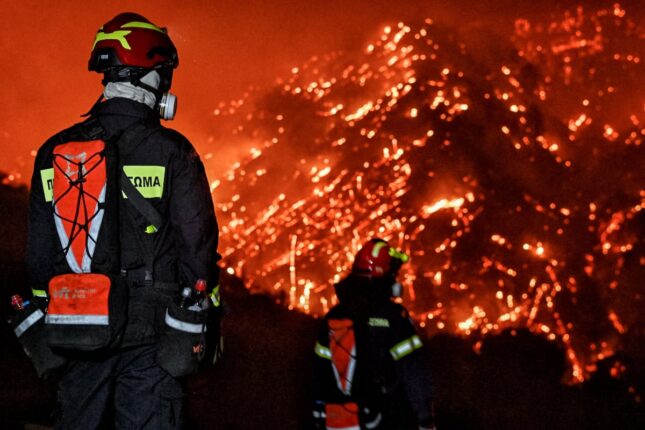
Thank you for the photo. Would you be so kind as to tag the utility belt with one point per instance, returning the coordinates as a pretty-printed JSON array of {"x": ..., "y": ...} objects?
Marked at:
[
  {"x": 92, "y": 313},
  {"x": 89, "y": 311},
  {"x": 141, "y": 276}
]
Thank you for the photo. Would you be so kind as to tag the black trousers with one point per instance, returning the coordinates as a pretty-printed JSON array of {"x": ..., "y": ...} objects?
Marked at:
[{"x": 124, "y": 390}]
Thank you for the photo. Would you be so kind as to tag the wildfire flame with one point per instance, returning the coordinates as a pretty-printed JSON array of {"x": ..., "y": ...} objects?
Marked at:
[{"x": 497, "y": 172}]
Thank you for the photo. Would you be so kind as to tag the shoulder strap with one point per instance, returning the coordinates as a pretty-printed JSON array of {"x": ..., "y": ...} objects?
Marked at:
[
  {"x": 149, "y": 212},
  {"x": 129, "y": 140},
  {"x": 90, "y": 129}
]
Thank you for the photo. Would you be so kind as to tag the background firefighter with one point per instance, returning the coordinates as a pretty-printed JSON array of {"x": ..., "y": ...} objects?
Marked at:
[
  {"x": 137, "y": 59},
  {"x": 371, "y": 371}
]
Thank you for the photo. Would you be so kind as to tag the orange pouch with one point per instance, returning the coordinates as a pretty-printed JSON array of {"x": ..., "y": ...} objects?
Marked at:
[
  {"x": 86, "y": 311},
  {"x": 342, "y": 416}
]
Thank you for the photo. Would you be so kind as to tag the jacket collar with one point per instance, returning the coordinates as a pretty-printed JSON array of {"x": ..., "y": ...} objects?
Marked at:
[{"x": 117, "y": 114}]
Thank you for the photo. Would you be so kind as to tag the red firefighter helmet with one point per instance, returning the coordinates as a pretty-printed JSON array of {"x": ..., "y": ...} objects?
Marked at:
[
  {"x": 377, "y": 258},
  {"x": 130, "y": 40}
]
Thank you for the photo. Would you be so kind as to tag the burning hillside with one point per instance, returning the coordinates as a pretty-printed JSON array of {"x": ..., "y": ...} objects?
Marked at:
[{"x": 510, "y": 171}]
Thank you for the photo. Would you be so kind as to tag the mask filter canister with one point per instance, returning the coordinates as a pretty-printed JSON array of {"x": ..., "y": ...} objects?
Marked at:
[
  {"x": 397, "y": 289},
  {"x": 168, "y": 106}
]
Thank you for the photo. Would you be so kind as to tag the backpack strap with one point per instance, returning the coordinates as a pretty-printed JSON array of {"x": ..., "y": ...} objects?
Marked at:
[
  {"x": 143, "y": 206},
  {"x": 90, "y": 129},
  {"x": 127, "y": 142}
]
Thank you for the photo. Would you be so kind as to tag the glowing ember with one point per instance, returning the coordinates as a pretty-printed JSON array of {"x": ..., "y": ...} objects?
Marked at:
[{"x": 516, "y": 187}]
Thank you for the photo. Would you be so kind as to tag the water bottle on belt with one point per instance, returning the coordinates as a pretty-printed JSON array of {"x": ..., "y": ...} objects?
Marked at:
[
  {"x": 17, "y": 303},
  {"x": 194, "y": 299},
  {"x": 186, "y": 298}
]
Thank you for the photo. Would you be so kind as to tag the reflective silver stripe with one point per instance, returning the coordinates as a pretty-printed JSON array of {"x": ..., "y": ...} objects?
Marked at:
[
  {"x": 93, "y": 233},
  {"x": 322, "y": 352},
  {"x": 318, "y": 414},
  {"x": 349, "y": 378},
  {"x": 184, "y": 326},
  {"x": 344, "y": 428},
  {"x": 375, "y": 422},
  {"x": 28, "y": 322},
  {"x": 405, "y": 347},
  {"x": 64, "y": 241},
  {"x": 77, "y": 319}
]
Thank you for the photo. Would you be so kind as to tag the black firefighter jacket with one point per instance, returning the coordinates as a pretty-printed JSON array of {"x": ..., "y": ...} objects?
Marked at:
[
  {"x": 166, "y": 169},
  {"x": 390, "y": 372}
]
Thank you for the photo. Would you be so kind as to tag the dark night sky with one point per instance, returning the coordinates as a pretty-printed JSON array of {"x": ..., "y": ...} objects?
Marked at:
[{"x": 224, "y": 47}]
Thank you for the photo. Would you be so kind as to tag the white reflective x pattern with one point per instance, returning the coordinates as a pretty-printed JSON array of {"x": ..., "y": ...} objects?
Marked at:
[{"x": 92, "y": 235}]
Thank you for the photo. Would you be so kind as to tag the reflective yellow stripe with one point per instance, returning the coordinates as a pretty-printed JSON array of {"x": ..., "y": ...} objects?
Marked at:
[
  {"x": 398, "y": 255},
  {"x": 47, "y": 177},
  {"x": 405, "y": 347},
  {"x": 39, "y": 293},
  {"x": 147, "y": 179},
  {"x": 118, "y": 35},
  {"x": 322, "y": 352},
  {"x": 378, "y": 322},
  {"x": 139, "y": 24},
  {"x": 377, "y": 248},
  {"x": 151, "y": 229},
  {"x": 215, "y": 298}
]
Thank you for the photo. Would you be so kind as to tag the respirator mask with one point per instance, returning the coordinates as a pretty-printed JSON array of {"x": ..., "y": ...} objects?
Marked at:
[
  {"x": 150, "y": 87},
  {"x": 398, "y": 258},
  {"x": 397, "y": 289},
  {"x": 166, "y": 102}
]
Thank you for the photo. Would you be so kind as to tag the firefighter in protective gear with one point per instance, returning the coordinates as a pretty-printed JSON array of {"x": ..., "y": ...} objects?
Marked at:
[
  {"x": 371, "y": 370},
  {"x": 124, "y": 382}
]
